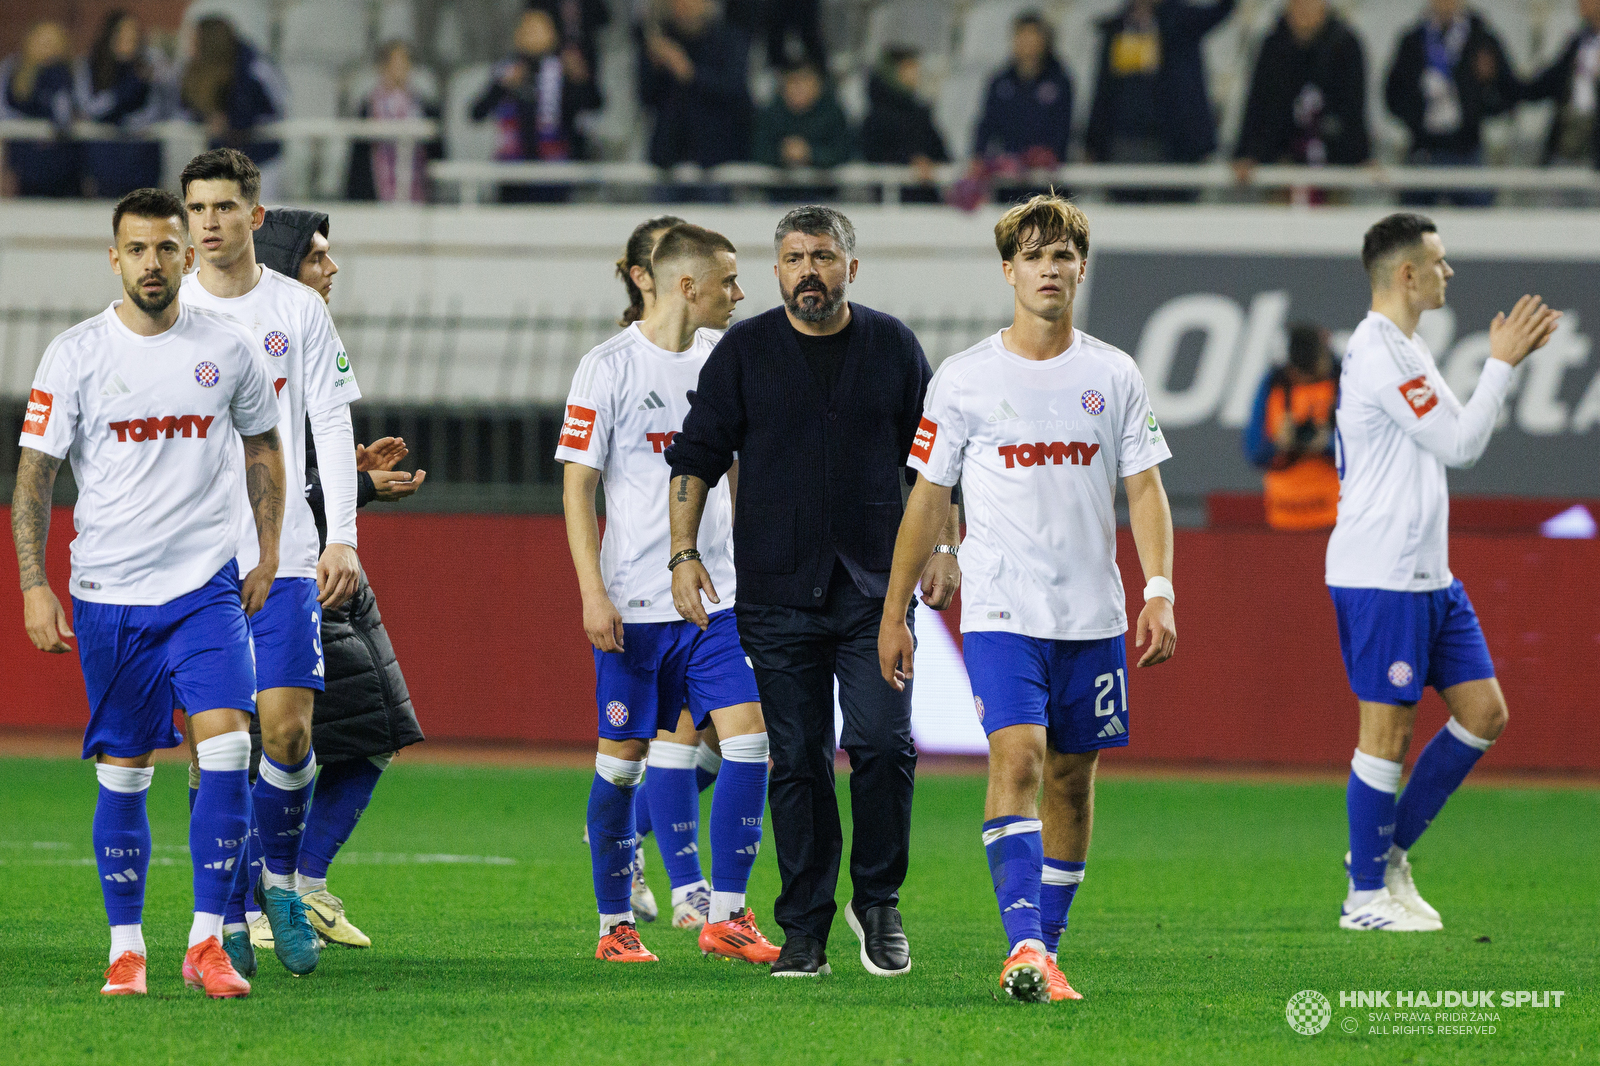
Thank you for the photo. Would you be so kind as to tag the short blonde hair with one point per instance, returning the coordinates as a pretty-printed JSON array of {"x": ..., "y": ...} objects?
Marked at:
[{"x": 1045, "y": 219}]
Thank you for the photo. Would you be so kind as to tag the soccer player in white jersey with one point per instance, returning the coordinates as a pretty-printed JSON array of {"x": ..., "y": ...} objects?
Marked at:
[
  {"x": 1404, "y": 620},
  {"x": 295, "y": 338},
  {"x": 1037, "y": 423},
  {"x": 628, "y": 400},
  {"x": 150, "y": 399}
]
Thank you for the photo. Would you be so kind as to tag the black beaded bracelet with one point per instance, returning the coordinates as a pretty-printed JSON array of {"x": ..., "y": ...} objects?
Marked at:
[{"x": 683, "y": 557}]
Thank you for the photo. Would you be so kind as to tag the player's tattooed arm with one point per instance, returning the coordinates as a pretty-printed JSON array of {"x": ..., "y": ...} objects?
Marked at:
[
  {"x": 30, "y": 513},
  {"x": 42, "y": 615},
  {"x": 685, "y": 507},
  {"x": 264, "y": 480}
]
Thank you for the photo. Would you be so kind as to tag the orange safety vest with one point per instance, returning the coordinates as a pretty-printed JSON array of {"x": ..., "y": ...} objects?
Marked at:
[{"x": 1305, "y": 494}]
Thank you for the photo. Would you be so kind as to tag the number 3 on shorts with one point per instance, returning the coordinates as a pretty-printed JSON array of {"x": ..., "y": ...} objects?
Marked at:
[{"x": 1103, "y": 685}]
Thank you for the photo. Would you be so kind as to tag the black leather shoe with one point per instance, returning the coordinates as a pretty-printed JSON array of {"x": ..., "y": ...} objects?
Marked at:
[
  {"x": 884, "y": 948},
  {"x": 802, "y": 956}
]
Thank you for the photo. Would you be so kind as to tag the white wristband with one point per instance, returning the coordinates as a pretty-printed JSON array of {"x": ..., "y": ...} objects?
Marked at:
[{"x": 1159, "y": 586}]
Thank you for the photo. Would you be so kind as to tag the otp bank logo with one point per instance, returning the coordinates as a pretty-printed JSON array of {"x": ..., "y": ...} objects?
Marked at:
[
  {"x": 578, "y": 428},
  {"x": 1058, "y": 452},
  {"x": 37, "y": 420},
  {"x": 168, "y": 426},
  {"x": 1419, "y": 394},
  {"x": 661, "y": 441},
  {"x": 922, "y": 445}
]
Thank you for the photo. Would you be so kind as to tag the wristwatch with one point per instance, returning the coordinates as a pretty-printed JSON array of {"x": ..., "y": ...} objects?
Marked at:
[{"x": 947, "y": 549}]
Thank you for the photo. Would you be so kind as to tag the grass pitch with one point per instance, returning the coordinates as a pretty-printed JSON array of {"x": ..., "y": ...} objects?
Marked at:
[{"x": 1206, "y": 907}]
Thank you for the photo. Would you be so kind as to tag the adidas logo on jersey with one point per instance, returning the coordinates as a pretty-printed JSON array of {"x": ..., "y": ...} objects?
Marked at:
[
  {"x": 130, "y": 874},
  {"x": 222, "y": 864},
  {"x": 115, "y": 387},
  {"x": 1003, "y": 413},
  {"x": 1114, "y": 728},
  {"x": 652, "y": 403}
]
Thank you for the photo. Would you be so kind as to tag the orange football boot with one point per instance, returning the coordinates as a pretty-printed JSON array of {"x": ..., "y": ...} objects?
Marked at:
[
  {"x": 207, "y": 968},
  {"x": 1059, "y": 989},
  {"x": 125, "y": 977},
  {"x": 738, "y": 938},
  {"x": 622, "y": 945},
  {"x": 1025, "y": 976}
]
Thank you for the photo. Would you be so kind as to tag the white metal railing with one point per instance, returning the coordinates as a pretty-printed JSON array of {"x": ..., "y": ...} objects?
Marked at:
[{"x": 474, "y": 181}]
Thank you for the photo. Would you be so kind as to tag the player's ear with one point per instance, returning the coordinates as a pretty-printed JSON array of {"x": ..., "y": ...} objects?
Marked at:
[
  {"x": 188, "y": 256},
  {"x": 116, "y": 262},
  {"x": 258, "y": 216},
  {"x": 854, "y": 263}
]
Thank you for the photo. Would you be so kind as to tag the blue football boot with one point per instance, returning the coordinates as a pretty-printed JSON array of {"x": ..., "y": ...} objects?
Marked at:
[
  {"x": 241, "y": 952},
  {"x": 294, "y": 941}
]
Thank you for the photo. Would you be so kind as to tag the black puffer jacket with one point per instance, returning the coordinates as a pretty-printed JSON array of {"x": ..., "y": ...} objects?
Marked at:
[{"x": 366, "y": 709}]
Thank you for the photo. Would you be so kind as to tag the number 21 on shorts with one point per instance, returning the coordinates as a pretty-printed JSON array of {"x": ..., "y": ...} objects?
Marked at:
[{"x": 1103, "y": 684}]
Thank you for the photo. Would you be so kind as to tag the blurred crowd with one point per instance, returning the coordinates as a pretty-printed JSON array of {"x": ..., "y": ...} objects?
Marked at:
[{"x": 1146, "y": 95}]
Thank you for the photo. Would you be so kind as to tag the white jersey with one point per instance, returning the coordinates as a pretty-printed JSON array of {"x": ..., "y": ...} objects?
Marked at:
[
  {"x": 295, "y": 339},
  {"x": 628, "y": 401},
  {"x": 1399, "y": 426},
  {"x": 152, "y": 424},
  {"x": 1038, "y": 447}
]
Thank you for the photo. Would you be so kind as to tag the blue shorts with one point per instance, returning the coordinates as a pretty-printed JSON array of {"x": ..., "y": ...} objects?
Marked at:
[
  {"x": 1076, "y": 689},
  {"x": 141, "y": 662},
  {"x": 1394, "y": 643},
  {"x": 287, "y": 633},
  {"x": 665, "y": 665}
]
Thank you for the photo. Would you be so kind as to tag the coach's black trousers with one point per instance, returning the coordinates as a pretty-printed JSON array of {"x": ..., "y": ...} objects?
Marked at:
[{"x": 797, "y": 654}]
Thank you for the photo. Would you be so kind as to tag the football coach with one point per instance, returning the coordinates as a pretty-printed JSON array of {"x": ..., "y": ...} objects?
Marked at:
[{"x": 819, "y": 401}]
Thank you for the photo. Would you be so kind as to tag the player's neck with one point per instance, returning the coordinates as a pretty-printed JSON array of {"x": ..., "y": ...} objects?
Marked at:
[
  {"x": 142, "y": 323},
  {"x": 234, "y": 280},
  {"x": 669, "y": 326},
  {"x": 1037, "y": 338},
  {"x": 1397, "y": 309}
]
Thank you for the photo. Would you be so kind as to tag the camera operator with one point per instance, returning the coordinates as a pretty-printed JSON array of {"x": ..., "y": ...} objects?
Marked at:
[{"x": 1291, "y": 433}]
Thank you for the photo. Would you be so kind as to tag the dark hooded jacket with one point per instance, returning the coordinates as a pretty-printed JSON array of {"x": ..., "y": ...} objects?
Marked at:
[
  {"x": 366, "y": 708},
  {"x": 899, "y": 127}
]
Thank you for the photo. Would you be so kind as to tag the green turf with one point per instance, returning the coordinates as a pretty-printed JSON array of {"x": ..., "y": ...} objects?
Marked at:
[{"x": 1206, "y": 907}]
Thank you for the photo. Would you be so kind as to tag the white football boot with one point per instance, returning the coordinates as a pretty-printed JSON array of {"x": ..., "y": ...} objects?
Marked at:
[
  {"x": 692, "y": 911},
  {"x": 1397, "y": 879},
  {"x": 1387, "y": 913},
  {"x": 642, "y": 899}
]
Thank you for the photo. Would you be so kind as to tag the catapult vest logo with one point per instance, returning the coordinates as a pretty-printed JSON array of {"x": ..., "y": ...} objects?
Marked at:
[
  {"x": 37, "y": 420},
  {"x": 578, "y": 428},
  {"x": 1057, "y": 452},
  {"x": 169, "y": 426}
]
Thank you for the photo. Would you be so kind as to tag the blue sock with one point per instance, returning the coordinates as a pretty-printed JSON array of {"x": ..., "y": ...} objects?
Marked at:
[
  {"x": 193, "y": 792},
  {"x": 282, "y": 797},
  {"x": 220, "y": 821},
  {"x": 675, "y": 810},
  {"x": 641, "y": 811},
  {"x": 1443, "y": 765},
  {"x": 122, "y": 840},
  {"x": 1061, "y": 880},
  {"x": 611, "y": 836},
  {"x": 1016, "y": 862},
  {"x": 343, "y": 791},
  {"x": 249, "y": 870},
  {"x": 736, "y": 811},
  {"x": 1370, "y": 802}
]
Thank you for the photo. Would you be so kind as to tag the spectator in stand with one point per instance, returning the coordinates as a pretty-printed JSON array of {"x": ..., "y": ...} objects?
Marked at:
[
  {"x": 1150, "y": 100},
  {"x": 1308, "y": 96},
  {"x": 578, "y": 25},
  {"x": 1449, "y": 74},
  {"x": 899, "y": 125},
  {"x": 1027, "y": 112},
  {"x": 120, "y": 83},
  {"x": 1290, "y": 434},
  {"x": 693, "y": 74},
  {"x": 37, "y": 83},
  {"x": 801, "y": 18},
  {"x": 536, "y": 93},
  {"x": 375, "y": 166},
  {"x": 232, "y": 89},
  {"x": 804, "y": 126},
  {"x": 1573, "y": 82}
]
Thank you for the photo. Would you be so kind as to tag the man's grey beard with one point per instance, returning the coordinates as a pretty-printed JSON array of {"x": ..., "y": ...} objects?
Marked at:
[
  {"x": 832, "y": 300},
  {"x": 156, "y": 306}
]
